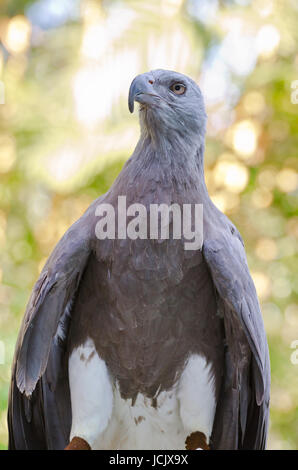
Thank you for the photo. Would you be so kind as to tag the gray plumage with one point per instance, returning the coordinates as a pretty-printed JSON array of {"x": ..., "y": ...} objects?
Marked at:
[{"x": 147, "y": 304}]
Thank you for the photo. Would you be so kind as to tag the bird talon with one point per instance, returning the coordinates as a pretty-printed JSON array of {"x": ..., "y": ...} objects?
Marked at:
[
  {"x": 196, "y": 441},
  {"x": 77, "y": 443}
]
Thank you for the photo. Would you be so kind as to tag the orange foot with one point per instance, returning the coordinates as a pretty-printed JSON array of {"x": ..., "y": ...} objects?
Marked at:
[
  {"x": 77, "y": 443},
  {"x": 196, "y": 440}
]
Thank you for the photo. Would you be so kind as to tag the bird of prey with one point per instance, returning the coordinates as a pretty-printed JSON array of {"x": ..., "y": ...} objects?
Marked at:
[{"x": 138, "y": 342}]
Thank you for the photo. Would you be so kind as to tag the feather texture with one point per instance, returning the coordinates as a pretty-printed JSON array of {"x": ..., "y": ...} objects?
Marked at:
[{"x": 147, "y": 305}]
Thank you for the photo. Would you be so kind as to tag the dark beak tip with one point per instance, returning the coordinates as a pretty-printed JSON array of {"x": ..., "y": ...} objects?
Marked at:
[
  {"x": 136, "y": 85},
  {"x": 131, "y": 96},
  {"x": 131, "y": 106}
]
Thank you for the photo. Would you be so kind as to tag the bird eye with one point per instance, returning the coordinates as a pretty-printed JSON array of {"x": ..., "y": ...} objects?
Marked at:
[{"x": 178, "y": 88}]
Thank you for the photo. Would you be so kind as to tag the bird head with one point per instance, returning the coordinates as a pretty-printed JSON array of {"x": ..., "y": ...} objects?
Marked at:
[{"x": 170, "y": 103}]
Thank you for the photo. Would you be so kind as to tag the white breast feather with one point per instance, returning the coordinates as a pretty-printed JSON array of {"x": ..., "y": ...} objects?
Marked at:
[{"x": 107, "y": 421}]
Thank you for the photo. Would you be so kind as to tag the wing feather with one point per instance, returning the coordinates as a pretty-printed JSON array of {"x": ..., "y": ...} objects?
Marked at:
[
  {"x": 245, "y": 392},
  {"x": 39, "y": 413}
]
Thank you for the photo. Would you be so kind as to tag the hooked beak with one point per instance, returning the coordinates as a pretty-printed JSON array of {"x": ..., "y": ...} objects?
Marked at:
[{"x": 141, "y": 90}]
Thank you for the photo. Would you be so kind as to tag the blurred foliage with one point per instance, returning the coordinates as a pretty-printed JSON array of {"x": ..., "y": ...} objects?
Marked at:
[{"x": 65, "y": 132}]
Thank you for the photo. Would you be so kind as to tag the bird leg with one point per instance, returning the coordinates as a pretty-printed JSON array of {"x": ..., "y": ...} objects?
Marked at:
[
  {"x": 197, "y": 402},
  {"x": 91, "y": 396},
  {"x": 77, "y": 443}
]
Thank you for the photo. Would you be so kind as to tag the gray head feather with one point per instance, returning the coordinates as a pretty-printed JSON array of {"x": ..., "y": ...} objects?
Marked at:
[{"x": 166, "y": 115}]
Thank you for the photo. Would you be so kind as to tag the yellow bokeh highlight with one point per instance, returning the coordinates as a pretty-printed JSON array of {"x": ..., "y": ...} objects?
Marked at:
[
  {"x": 287, "y": 180},
  {"x": 17, "y": 35},
  {"x": 233, "y": 175},
  {"x": 268, "y": 39},
  {"x": 225, "y": 201},
  {"x": 245, "y": 138},
  {"x": 262, "y": 198},
  {"x": 262, "y": 283},
  {"x": 219, "y": 201}
]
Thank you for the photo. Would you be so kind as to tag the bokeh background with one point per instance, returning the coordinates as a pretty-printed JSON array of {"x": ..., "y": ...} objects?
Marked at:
[{"x": 65, "y": 132}]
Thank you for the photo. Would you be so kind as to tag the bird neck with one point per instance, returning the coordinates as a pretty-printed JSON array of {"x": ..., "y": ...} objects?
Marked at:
[{"x": 173, "y": 161}]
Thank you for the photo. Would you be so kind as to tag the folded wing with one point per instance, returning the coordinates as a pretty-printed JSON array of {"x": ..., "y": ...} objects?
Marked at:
[
  {"x": 39, "y": 414},
  {"x": 241, "y": 419}
]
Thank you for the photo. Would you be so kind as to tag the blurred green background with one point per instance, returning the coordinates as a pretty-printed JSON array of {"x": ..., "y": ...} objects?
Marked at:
[{"x": 65, "y": 132}]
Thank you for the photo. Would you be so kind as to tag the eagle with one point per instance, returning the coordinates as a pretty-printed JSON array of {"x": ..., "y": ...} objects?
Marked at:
[{"x": 135, "y": 342}]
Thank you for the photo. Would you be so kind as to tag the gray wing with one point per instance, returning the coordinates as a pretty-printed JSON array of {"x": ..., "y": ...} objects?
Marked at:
[
  {"x": 39, "y": 414},
  {"x": 241, "y": 420}
]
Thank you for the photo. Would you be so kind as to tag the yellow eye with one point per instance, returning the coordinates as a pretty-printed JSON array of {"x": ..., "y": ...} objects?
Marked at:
[{"x": 178, "y": 88}]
